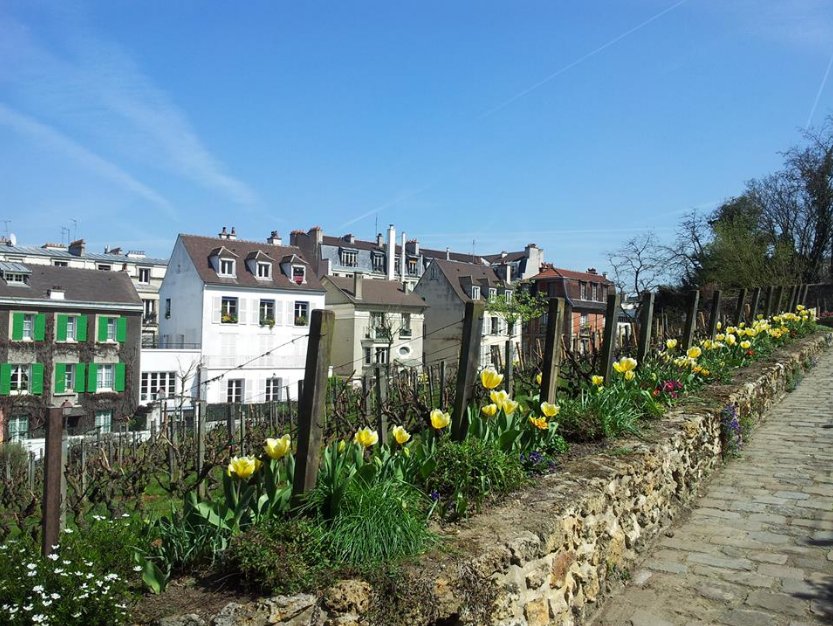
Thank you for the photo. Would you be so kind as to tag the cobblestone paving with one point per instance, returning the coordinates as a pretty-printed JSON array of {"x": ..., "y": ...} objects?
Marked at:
[{"x": 757, "y": 549}]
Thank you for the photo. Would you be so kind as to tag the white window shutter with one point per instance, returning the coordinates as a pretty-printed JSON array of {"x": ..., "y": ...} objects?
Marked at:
[
  {"x": 279, "y": 313},
  {"x": 216, "y": 309},
  {"x": 242, "y": 312},
  {"x": 261, "y": 390},
  {"x": 289, "y": 320}
]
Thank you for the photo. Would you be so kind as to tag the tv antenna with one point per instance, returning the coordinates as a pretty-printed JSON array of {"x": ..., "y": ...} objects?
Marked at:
[{"x": 6, "y": 226}]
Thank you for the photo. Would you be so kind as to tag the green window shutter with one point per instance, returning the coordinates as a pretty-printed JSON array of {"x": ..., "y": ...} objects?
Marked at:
[
  {"x": 37, "y": 378},
  {"x": 119, "y": 382},
  {"x": 17, "y": 326},
  {"x": 102, "y": 329},
  {"x": 60, "y": 377},
  {"x": 61, "y": 327},
  {"x": 121, "y": 329},
  {"x": 40, "y": 326},
  {"x": 92, "y": 378},
  {"x": 80, "y": 379},
  {"x": 81, "y": 328},
  {"x": 5, "y": 378}
]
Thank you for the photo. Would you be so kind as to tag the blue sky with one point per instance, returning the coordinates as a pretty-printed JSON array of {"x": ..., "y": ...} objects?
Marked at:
[{"x": 485, "y": 125}]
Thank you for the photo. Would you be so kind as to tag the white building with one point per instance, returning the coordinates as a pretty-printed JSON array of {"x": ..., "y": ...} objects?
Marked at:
[{"x": 245, "y": 306}]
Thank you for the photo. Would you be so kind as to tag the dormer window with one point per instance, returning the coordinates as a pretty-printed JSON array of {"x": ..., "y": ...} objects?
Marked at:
[
  {"x": 16, "y": 279},
  {"x": 378, "y": 260},
  {"x": 226, "y": 267},
  {"x": 349, "y": 258},
  {"x": 15, "y": 273},
  {"x": 299, "y": 274},
  {"x": 492, "y": 293},
  {"x": 475, "y": 292},
  {"x": 507, "y": 296},
  {"x": 264, "y": 270}
]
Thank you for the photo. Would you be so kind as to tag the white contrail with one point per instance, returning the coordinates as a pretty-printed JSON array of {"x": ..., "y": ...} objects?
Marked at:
[
  {"x": 581, "y": 59},
  {"x": 818, "y": 94}
]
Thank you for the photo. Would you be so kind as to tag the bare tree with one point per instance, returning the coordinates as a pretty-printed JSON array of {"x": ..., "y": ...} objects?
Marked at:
[{"x": 639, "y": 265}]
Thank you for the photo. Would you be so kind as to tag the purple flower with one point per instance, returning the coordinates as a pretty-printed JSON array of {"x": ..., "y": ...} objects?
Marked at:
[{"x": 434, "y": 495}]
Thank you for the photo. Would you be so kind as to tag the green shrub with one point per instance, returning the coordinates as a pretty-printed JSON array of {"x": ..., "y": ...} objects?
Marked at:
[
  {"x": 465, "y": 473},
  {"x": 279, "y": 556},
  {"x": 599, "y": 414},
  {"x": 378, "y": 522}
]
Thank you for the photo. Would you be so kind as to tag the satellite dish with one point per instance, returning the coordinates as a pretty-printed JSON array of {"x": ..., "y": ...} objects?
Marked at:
[{"x": 13, "y": 239}]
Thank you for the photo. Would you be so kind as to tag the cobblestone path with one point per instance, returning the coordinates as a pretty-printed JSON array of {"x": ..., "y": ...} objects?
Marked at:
[{"x": 757, "y": 549}]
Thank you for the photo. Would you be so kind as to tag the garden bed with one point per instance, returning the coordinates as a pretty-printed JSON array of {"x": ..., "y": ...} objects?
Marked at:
[{"x": 550, "y": 553}]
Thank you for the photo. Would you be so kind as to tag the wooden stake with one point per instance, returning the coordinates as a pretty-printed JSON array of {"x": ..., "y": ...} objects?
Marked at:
[
  {"x": 552, "y": 349},
  {"x": 381, "y": 398},
  {"x": 690, "y": 319},
  {"x": 646, "y": 316},
  {"x": 609, "y": 341},
  {"x": 53, "y": 472},
  {"x": 467, "y": 368},
  {"x": 770, "y": 292},
  {"x": 714, "y": 317},
  {"x": 738, "y": 318}
]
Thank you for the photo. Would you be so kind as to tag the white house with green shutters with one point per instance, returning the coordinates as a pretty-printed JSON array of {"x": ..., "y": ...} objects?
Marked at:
[{"x": 70, "y": 341}]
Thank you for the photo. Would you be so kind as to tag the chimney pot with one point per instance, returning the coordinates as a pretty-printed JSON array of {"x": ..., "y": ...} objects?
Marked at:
[{"x": 358, "y": 280}]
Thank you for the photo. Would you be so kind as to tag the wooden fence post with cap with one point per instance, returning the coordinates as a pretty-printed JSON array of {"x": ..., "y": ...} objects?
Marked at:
[
  {"x": 381, "y": 397},
  {"x": 509, "y": 365},
  {"x": 770, "y": 291},
  {"x": 53, "y": 477},
  {"x": 467, "y": 368},
  {"x": 609, "y": 341},
  {"x": 646, "y": 320},
  {"x": 311, "y": 404},
  {"x": 552, "y": 349},
  {"x": 690, "y": 319},
  {"x": 738, "y": 318},
  {"x": 756, "y": 301}
]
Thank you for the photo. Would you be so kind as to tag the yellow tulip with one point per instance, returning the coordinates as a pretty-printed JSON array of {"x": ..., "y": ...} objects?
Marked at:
[
  {"x": 440, "y": 420},
  {"x": 539, "y": 422},
  {"x": 597, "y": 380},
  {"x": 499, "y": 397},
  {"x": 671, "y": 344},
  {"x": 630, "y": 375},
  {"x": 693, "y": 352},
  {"x": 746, "y": 345},
  {"x": 489, "y": 410},
  {"x": 509, "y": 407},
  {"x": 277, "y": 448},
  {"x": 719, "y": 325},
  {"x": 538, "y": 378},
  {"x": 490, "y": 379},
  {"x": 731, "y": 340},
  {"x": 625, "y": 364},
  {"x": 720, "y": 336},
  {"x": 366, "y": 437},
  {"x": 549, "y": 409},
  {"x": 243, "y": 466},
  {"x": 342, "y": 445},
  {"x": 401, "y": 435}
]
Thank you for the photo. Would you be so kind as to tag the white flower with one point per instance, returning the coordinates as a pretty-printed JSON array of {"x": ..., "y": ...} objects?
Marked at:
[
  {"x": 37, "y": 588},
  {"x": 31, "y": 566},
  {"x": 138, "y": 568},
  {"x": 68, "y": 531},
  {"x": 59, "y": 570},
  {"x": 55, "y": 596},
  {"x": 39, "y": 619},
  {"x": 53, "y": 556},
  {"x": 28, "y": 607}
]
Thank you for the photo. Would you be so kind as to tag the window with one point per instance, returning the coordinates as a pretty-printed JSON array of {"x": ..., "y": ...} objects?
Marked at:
[
  {"x": 69, "y": 377},
  {"x": 14, "y": 278},
  {"x": 144, "y": 275},
  {"x": 60, "y": 264},
  {"x": 273, "y": 389},
  {"x": 228, "y": 310},
  {"x": 103, "y": 421},
  {"x": 381, "y": 356},
  {"x": 226, "y": 267},
  {"x": 594, "y": 290},
  {"x": 412, "y": 267},
  {"x": 378, "y": 261},
  {"x": 368, "y": 356},
  {"x": 21, "y": 375},
  {"x": 299, "y": 274},
  {"x": 475, "y": 292},
  {"x": 28, "y": 326},
  {"x": 582, "y": 289},
  {"x": 150, "y": 310},
  {"x": 234, "y": 390},
  {"x": 156, "y": 383},
  {"x": 492, "y": 293},
  {"x": 18, "y": 427},
  {"x": 583, "y": 322},
  {"x": 104, "y": 378},
  {"x": 405, "y": 331},
  {"x": 70, "y": 327},
  {"x": 349, "y": 258},
  {"x": 264, "y": 270},
  {"x": 167, "y": 308},
  {"x": 301, "y": 313},
  {"x": 495, "y": 325},
  {"x": 507, "y": 295},
  {"x": 111, "y": 328},
  {"x": 267, "y": 313},
  {"x": 104, "y": 267}
]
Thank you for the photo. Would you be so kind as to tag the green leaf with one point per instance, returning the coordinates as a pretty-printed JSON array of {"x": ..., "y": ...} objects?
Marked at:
[{"x": 155, "y": 579}]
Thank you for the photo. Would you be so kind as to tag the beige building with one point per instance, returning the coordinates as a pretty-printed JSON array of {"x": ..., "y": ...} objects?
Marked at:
[{"x": 377, "y": 322}]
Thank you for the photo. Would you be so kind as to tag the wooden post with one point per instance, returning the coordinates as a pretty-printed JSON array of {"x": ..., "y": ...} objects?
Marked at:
[
  {"x": 230, "y": 426},
  {"x": 738, "y": 318},
  {"x": 753, "y": 308},
  {"x": 803, "y": 298},
  {"x": 794, "y": 296},
  {"x": 381, "y": 398},
  {"x": 431, "y": 386},
  {"x": 83, "y": 466},
  {"x": 53, "y": 472},
  {"x": 509, "y": 366},
  {"x": 199, "y": 417},
  {"x": 241, "y": 410},
  {"x": 646, "y": 317},
  {"x": 770, "y": 291},
  {"x": 609, "y": 341},
  {"x": 714, "y": 316},
  {"x": 690, "y": 319},
  {"x": 467, "y": 368},
  {"x": 443, "y": 400},
  {"x": 311, "y": 409},
  {"x": 552, "y": 349},
  {"x": 779, "y": 295}
]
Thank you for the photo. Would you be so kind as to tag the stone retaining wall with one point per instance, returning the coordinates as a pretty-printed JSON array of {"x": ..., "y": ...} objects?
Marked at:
[{"x": 549, "y": 555}]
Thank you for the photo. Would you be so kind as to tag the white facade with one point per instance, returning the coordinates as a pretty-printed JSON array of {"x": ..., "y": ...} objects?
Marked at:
[{"x": 245, "y": 354}]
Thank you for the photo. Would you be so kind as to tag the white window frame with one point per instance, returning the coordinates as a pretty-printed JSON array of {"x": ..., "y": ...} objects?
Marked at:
[
  {"x": 104, "y": 421},
  {"x": 144, "y": 272},
  {"x": 264, "y": 311},
  {"x": 507, "y": 295},
  {"x": 349, "y": 258},
  {"x": 230, "y": 306},
  {"x": 264, "y": 270},
  {"x": 225, "y": 264},
  {"x": 16, "y": 433},
  {"x": 28, "y": 333},
  {"x": 235, "y": 388},
  {"x": 14, "y": 278},
  {"x": 273, "y": 389},
  {"x": 154, "y": 382},
  {"x": 104, "y": 267},
  {"x": 368, "y": 356},
  {"x": 20, "y": 381},
  {"x": 60, "y": 263},
  {"x": 301, "y": 310},
  {"x": 475, "y": 292},
  {"x": 381, "y": 356},
  {"x": 112, "y": 328},
  {"x": 69, "y": 378},
  {"x": 492, "y": 293},
  {"x": 302, "y": 275},
  {"x": 105, "y": 379}
]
